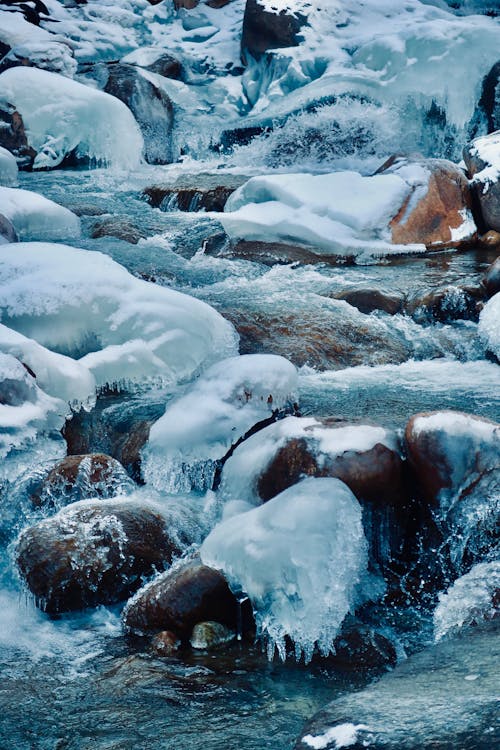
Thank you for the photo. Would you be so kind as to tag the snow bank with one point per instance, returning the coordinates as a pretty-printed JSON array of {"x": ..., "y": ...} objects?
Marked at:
[
  {"x": 62, "y": 117},
  {"x": 341, "y": 213},
  {"x": 489, "y": 325},
  {"x": 469, "y": 600},
  {"x": 37, "y": 218},
  {"x": 124, "y": 330},
  {"x": 8, "y": 168},
  {"x": 201, "y": 426},
  {"x": 250, "y": 460},
  {"x": 299, "y": 558}
]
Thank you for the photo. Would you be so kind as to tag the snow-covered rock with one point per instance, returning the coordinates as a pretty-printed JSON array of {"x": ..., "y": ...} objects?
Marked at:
[
  {"x": 124, "y": 330},
  {"x": 198, "y": 429},
  {"x": 300, "y": 558},
  {"x": 64, "y": 118},
  {"x": 341, "y": 213},
  {"x": 482, "y": 157},
  {"x": 8, "y": 168},
  {"x": 37, "y": 218},
  {"x": 489, "y": 325},
  {"x": 271, "y": 25},
  {"x": 47, "y": 55}
]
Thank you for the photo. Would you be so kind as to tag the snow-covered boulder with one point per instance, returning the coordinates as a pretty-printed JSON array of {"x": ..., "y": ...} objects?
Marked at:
[
  {"x": 37, "y": 218},
  {"x": 13, "y": 135},
  {"x": 64, "y": 118},
  {"x": 198, "y": 429},
  {"x": 124, "y": 330},
  {"x": 47, "y": 55},
  {"x": 346, "y": 214},
  {"x": 472, "y": 599},
  {"x": 271, "y": 25},
  {"x": 489, "y": 325},
  {"x": 8, "y": 168},
  {"x": 482, "y": 157},
  {"x": 300, "y": 558},
  {"x": 438, "y": 210},
  {"x": 93, "y": 552}
]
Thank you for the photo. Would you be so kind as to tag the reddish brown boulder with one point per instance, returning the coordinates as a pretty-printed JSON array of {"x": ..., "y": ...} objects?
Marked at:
[
  {"x": 438, "y": 211},
  {"x": 266, "y": 29},
  {"x": 165, "y": 643},
  {"x": 13, "y": 136},
  {"x": 119, "y": 227},
  {"x": 203, "y": 192},
  {"x": 93, "y": 553},
  {"x": 369, "y": 300},
  {"x": 180, "y": 598}
]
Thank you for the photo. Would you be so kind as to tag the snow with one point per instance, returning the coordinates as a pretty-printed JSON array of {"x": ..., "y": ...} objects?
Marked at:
[
  {"x": 62, "y": 116},
  {"x": 250, "y": 460},
  {"x": 342, "y": 735},
  {"x": 37, "y": 218},
  {"x": 468, "y": 601},
  {"x": 47, "y": 55},
  {"x": 222, "y": 405},
  {"x": 299, "y": 558},
  {"x": 457, "y": 425},
  {"x": 124, "y": 330},
  {"x": 489, "y": 325},
  {"x": 8, "y": 168},
  {"x": 487, "y": 148},
  {"x": 340, "y": 213}
]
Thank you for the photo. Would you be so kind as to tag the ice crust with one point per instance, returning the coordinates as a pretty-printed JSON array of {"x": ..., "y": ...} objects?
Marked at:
[
  {"x": 469, "y": 601},
  {"x": 341, "y": 213},
  {"x": 62, "y": 116},
  {"x": 37, "y": 218},
  {"x": 8, "y": 169},
  {"x": 124, "y": 330},
  {"x": 248, "y": 462},
  {"x": 489, "y": 325},
  {"x": 300, "y": 558},
  {"x": 200, "y": 427}
]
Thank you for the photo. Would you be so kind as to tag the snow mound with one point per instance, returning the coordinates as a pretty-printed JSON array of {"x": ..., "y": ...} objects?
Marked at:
[
  {"x": 37, "y": 218},
  {"x": 200, "y": 427},
  {"x": 124, "y": 330},
  {"x": 489, "y": 325},
  {"x": 8, "y": 168},
  {"x": 300, "y": 558},
  {"x": 469, "y": 600},
  {"x": 63, "y": 117},
  {"x": 341, "y": 213}
]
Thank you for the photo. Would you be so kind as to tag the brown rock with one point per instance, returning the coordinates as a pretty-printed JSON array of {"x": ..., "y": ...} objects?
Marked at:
[
  {"x": 440, "y": 210},
  {"x": 211, "y": 635},
  {"x": 491, "y": 239},
  {"x": 492, "y": 278},
  {"x": 360, "y": 647},
  {"x": 180, "y": 598},
  {"x": 93, "y": 553},
  {"x": 116, "y": 226},
  {"x": 447, "y": 304},
  {"x": 264, "y": 30},
  {"x": 167, "y": 66},
  {"x": 369, "y": 300},
  {"x": 165, "y": 643},
  {"x": 208, "y": 192},
  {"x": 13, "y": 136}
]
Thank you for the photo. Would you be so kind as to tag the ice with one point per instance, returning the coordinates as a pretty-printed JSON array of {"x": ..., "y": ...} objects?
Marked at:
[
  {"x": 124, "y": 330},
  {"x": 37, "y": 218},
  {"x": 250, "y": 460},
  {"x": 343, "y": 735},
  {"x": 341, "y": 213},
  {"x": 470, "y": 600},
  {"x": 8, "y": 169},
  {"x": 62, "y": 117},
  {"x": 199, "y": 428},
  {"x": 489, "y": 325},
  {"x": 300, "y": 558}
]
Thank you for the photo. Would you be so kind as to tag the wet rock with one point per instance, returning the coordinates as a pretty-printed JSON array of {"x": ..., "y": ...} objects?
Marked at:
[
  {"x": 480, "y": 157},
  {"x": 491, "y": 280},
  {"x": 448, "y": 447},
  {"x": 369, "y": 300},
  {"x": 446, "y": 305},
  {"x": 325, "y": 339},
  {"x": 204, "y": 192},
  {"x": 489, "y": 103},
  {"x": 165, "y": 643},
  {"x": 119, "y": 227},
  {"x": 266, "y": 28},
  {"x": 13, "y": 136},
  {"x": 413, "y": 707},
  {"x": 7, "y": 231},
  {"x": 273, "y": 253},
  {"x": 490, "y": 240},
  {"x": 93, "y": 553},
  {"x": 81, "y": 478},
  {"x": 210, "y": 635},
  {"x": 438, "y": 211},
  {"x": 179, "y": 599},
  {"x": 167, "y": 66},
  {"x": 361, "y": 647}
]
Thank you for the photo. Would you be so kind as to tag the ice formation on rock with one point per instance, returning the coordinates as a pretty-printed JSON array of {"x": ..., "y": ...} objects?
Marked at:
[
  {"x": 37, "y": 218},
  {"x": 300, "y": 558},
  {"x": 489, "y": 325},
  {"x": 8, "y": 170}
]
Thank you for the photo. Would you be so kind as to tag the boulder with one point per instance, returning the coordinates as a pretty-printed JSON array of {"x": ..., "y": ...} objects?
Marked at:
[
  {"x": 93, "y": 553},
  {"x": 490, "y": 240},
  {"x": 437, "y": 213},
  {"x": 165, "y": 643},
  {"x": 13, "y": 136},
  {"x": 446, "y": 305},
  {"x": 491, "y": 279},
  {"x": 266, "y": 27},
  {"x": 119, "y": 227},
  {"x": 370, "y": 300},
  {"x": 179, "y": 599},
  {"x": 362, "y": 648},
  {"x": 482, "y": 158},
  {"x": 210, "y": 635},
  {"x": 82, "y": 477},
  {"x": 167, "y": 66},
  {"x": 203, "y": 192}
]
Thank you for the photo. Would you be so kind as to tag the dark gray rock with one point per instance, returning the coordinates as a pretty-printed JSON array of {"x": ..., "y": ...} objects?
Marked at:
[
  {"x": 265, "y": 30},
  {"x": 492, "y": 278},
  {"x": 485, "y": 189},
  {"x": 7, "y": 231}
]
